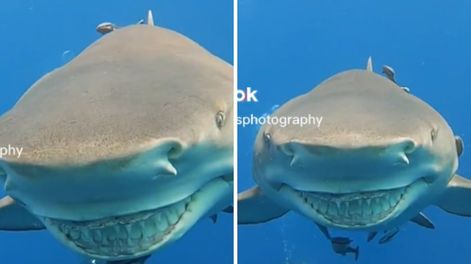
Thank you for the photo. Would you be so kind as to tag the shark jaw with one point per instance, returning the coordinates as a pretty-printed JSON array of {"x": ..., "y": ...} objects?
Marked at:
[
  {"x": 121, "y": 235},
  {"x": 128, "y": 207},
  {"x": 354, "y": 210},
  {"x": 140, "y": 233}
]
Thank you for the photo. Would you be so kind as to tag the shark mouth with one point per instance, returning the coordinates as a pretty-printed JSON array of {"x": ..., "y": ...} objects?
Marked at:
[
  {"x": 359, "y": 209},
  {"x": 127, "y": 235},
  {"x": 132, "y": 235}
]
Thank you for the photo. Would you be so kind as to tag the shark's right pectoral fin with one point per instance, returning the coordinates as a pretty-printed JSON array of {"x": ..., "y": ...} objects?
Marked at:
[
  {"x": 254, "y": 207},
  {"x": 14, "y": 217},
  {"x": 457, "y": 197}
]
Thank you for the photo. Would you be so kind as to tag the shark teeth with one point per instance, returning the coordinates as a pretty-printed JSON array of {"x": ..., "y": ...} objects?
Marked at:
[
  {"x": 353, "y": 209},
  {"x": 121, "y": 235}
]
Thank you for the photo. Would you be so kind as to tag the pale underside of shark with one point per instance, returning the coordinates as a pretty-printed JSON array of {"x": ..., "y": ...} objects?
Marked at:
[
  {"x": 379, "y": 158},
  {"x": 125, "y": 148}
]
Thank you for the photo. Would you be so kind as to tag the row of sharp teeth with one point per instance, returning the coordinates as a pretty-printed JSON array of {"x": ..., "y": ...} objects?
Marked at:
[
  {"x": 122, "y": 235},
  {"x": 354, "y": 208}
]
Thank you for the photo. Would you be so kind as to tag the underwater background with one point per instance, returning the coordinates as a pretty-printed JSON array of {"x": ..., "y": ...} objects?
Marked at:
[
  {"x": 288, "y": 47},
  {"x": 39, "y": 36}
]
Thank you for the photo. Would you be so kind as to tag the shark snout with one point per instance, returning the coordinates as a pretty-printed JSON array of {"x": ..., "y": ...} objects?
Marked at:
[
  {"x": 398, "y": 151},
  {"x": 350, "y": 168}
]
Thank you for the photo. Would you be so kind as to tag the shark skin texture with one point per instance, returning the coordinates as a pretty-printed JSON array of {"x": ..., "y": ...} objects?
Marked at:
[
  {"x": 126, "y": 147},
  {"x": 380, "y": 157}
]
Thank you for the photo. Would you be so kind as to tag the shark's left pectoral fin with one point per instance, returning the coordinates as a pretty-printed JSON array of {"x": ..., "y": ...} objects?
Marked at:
[
  {"x": 457, "y": 197},
  {"x": 422, "y": 220},
  {"x": 254, "y": 207},
  {"x": 14, "y": 217}
]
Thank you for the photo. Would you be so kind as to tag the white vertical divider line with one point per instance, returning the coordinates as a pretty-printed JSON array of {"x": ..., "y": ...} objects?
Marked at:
[{"x": 235, "y": 86}]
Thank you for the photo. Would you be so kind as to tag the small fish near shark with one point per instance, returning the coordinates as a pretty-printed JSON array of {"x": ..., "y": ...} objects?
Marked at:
[
  {"x": 379, "y": 159},
  {"x": 126, "y": 147}
]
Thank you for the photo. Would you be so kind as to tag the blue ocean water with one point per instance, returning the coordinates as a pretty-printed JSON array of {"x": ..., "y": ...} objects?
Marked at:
[
  {"x": 288, "y": 47},
  {"x": 38, "y": 36}
]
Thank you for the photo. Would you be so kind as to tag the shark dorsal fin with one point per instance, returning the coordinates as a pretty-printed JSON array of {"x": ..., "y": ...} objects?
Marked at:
[
  {"x": 369, "y": 64},
  {"x": 150, "y": 18}
]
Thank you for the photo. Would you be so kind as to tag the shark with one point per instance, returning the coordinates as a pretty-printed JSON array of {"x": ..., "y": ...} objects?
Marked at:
[
  {"x": 126, "y": 146},
  {"x": 380, "y": 157}
]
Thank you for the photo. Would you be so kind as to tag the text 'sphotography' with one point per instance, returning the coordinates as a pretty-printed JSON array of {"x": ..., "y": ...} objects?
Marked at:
[
  {"x": 10, "y": 151},
  {"x": 281, "y": 121}
]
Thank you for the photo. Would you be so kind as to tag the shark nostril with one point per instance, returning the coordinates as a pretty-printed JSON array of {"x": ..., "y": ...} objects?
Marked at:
[
  {"x": 286, "y": 149},
  {"x": 408, "y": 146},
  {"x": 401, "y": 152},
  {"x": 165, "y": 158},
  {"x": 174, "y": 150}
]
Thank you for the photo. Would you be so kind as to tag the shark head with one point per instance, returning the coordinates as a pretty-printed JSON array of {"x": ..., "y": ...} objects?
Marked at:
[
  {"x": 127, "y": 146},
  {"x": 379, "y": 156}
]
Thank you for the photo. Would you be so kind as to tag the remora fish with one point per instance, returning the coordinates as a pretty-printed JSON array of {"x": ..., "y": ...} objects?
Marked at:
[
  {"x": 380, "y": 157},
  {"x": 125, "y": 148}
]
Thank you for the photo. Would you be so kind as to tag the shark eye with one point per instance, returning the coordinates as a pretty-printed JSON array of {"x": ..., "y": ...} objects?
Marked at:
[
  {"x": 459, "y": 145},
  {"x": 434, "y": 134},
  {"x": 266, "y": 137},
  {"x": 220, "y": 119}
]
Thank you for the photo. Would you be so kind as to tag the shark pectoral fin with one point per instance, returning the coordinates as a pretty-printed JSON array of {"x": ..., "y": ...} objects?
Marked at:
[
  {"x": 389, "y": 235},
  {"x": 457, "y": 197},
  {"x": 324, "y": 231},
  {"x": 423, "y": 220},
  {"x": 14, "y": 217},
  {"x": 371, "y": 235},
  {"x": 254, "y": 207}
]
